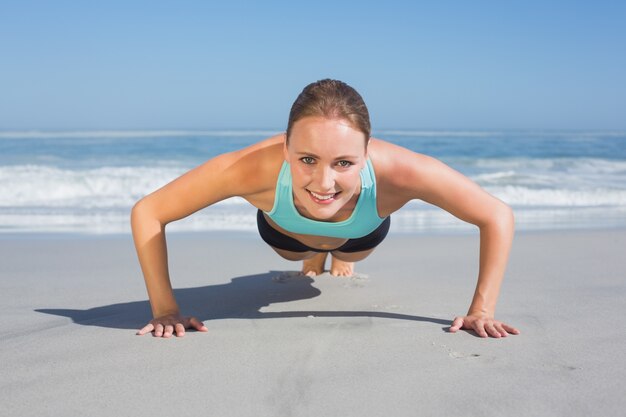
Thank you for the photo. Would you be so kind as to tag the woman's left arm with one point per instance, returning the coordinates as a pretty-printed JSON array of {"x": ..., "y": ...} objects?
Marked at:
[
  {"x": 425, "y": 178},
  {"x": 496, "y": 236}
]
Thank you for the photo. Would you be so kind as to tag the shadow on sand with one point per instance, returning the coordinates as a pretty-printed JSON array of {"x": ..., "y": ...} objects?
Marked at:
[{"x": 242, "y": 298}]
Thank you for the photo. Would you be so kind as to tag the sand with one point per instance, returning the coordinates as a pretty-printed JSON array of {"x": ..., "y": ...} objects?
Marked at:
[{"x": 280, "y": 344}]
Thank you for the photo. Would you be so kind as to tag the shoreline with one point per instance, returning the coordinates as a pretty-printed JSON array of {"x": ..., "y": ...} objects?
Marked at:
[{"x": 234, "y": 234}]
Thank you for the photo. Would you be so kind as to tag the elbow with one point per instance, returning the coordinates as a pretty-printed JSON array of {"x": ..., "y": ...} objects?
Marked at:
[
  {"x": 137, "y": 213},
  {"x": 142, "y": 214},
  {"x": 500, "y": 218},
  {"x": 503, "y": 218},
  {"x": 140, "y": 205}
]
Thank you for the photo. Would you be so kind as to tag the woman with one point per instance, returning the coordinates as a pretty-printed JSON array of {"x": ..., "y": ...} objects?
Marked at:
[{"x": 325, "y": 186}]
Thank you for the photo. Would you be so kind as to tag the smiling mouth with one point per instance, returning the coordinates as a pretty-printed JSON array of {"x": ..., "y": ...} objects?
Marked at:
[{"x": 323, "y": 198}]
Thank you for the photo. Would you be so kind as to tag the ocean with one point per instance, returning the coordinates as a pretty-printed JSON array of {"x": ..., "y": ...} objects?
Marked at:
[{"x": 87, "y": 182}]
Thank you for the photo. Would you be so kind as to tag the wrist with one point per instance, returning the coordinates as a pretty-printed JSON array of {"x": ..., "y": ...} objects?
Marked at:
[
  {"x": 481, "y": 312},
  {"x": 165, "y": 312}
]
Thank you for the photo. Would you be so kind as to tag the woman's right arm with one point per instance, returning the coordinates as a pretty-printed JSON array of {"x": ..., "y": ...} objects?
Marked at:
[{"x": 222, "y": 177}]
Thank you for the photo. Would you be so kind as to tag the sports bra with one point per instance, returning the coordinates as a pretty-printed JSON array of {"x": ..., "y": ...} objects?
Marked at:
[{"x": 364, "y": 218}]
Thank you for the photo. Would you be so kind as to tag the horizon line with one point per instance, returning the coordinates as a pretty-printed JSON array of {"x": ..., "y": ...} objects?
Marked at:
[{"x": 147, "y": 133}]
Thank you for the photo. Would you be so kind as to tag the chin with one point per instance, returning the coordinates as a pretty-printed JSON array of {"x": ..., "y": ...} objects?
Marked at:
[{"x": 321, "y": 211}]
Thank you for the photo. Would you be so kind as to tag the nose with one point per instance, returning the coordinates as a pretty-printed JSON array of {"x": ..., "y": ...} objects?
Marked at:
[{"x": 325, "y": 178}]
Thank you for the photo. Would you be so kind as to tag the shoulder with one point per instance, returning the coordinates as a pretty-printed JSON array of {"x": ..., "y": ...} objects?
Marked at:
[
  {"x": 250, "y": 173},
  {"x": 400, "y": 169},
  {"x": 384, "y": 154},
  {"x": 403, "y": 175},
  {"x": 242, "y": 173},
  {"x": 266, "y": 145},
  {"x": 254, "y": 168}
]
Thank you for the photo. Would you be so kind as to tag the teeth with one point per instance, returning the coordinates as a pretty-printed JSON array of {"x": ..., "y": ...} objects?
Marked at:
[{"x": 322, "y": 197}]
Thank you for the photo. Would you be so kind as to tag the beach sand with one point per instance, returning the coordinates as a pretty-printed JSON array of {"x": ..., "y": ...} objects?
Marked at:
[{"x": 280, "y": 344}]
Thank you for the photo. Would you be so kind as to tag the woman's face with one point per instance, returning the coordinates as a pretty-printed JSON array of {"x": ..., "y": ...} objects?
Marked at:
[{"x": 326, "y": 156}]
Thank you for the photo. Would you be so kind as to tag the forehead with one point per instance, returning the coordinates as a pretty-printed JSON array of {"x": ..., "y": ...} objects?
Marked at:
[{"x": 326, "y": 137}]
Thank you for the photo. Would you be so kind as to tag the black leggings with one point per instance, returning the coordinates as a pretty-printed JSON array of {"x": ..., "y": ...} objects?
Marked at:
[{"x": 280, "y": 240}]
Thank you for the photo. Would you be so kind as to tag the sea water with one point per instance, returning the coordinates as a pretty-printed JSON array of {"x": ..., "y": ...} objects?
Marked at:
[{"x": 88, "y": 181}]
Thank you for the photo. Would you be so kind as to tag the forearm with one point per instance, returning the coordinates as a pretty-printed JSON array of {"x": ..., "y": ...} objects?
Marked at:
[
  {"x": 150, "y": 243},
  {"x": 496, "y": 238}
]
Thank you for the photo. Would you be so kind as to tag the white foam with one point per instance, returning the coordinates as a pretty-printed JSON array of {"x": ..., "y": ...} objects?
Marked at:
[
  {"x": 557, "y": 174},
  {"x": 566, "y": 165},
  {"x": 118, "y": 221},
  {"x": 107, "y": 187},
  {"x": 528, "y": 197},
  {"x": 47, "y": 198},
  {"x": 429, "y": 219}
]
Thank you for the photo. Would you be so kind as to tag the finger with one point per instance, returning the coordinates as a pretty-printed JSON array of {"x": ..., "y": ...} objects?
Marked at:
[
  {"x": 158, "y": 330},
  {"x": 500, "y": 329},
  {"x": 197, "y": 324},
  {"x": 145, "y": 329},
  {"x": 456, "y": 324},
  {"x": 169, "y": 329},
  {"x": 179, "y": 329},
  {"x": 491, "y": 330},
  {"x": 510, "y": 329},
  {"x": 479, "y": 327}
]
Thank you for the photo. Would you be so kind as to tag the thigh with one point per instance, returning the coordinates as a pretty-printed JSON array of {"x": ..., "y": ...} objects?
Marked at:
[
  {"x": 352, "y": 256},
  {"x": 294, "y": 256}
]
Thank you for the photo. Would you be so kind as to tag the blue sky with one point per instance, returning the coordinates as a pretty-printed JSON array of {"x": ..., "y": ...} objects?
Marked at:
[{"x": 240, "y": 64}]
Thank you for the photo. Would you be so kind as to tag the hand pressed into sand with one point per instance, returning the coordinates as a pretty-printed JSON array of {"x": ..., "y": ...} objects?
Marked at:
[
  {"x": 166, "y": 326},
  {"x": 484, "y": 326}
]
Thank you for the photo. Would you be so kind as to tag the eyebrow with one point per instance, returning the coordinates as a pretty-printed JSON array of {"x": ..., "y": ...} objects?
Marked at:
[{"x": 336, "y": 159}]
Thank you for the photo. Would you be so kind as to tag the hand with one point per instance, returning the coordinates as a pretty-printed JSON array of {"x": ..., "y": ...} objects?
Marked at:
[
  {"x": 165, "y": 326},
  {"x": 485, "y": 326}
]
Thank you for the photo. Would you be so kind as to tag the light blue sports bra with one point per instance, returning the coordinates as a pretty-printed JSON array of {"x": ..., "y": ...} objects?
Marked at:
[{"x": 363, "y": 221}]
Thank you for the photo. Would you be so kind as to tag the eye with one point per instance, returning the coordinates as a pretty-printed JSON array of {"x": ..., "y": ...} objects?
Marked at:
[
  {"x": 344, "y": 164},
  {"x": 307, "y": 160}
]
